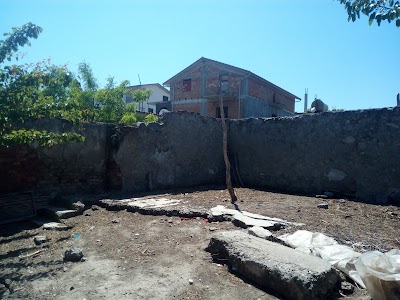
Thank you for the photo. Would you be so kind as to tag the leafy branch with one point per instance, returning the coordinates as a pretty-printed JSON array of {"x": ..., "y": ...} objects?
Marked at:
[{"x": 380, "y": 10}]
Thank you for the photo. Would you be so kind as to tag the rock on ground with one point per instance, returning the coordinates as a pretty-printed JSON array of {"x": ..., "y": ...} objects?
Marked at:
[
  {"x": 281, "y": 270},
  {"x": 73, "y": 254}
]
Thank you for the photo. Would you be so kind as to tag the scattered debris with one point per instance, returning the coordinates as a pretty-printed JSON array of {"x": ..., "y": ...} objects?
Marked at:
[
  {"x": 190, "y": 281},
  {"x": 260, "y": 232},
  {"x": 55, "y": 226},
  {"x": 115, "y": 221},
  {"x": 40, "y": 240},
  {"x": 346, "y": 288},
  {"x": 212, "y": 228},
  {"x": 79, "y": 207},
  {"x": 66, "y": 214},
  {"x": 95, "y": 207},
  {"x": 73, "y": 254},
  {"x": 246, "y": 219},
  {"x": 323, "y": 205},
  {"x": 32, "y": 254}
]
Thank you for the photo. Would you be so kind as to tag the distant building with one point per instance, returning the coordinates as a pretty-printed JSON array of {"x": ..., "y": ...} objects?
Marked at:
[
  {"x": 197, "y": 89},
  {"x": 158, "y": 94}
]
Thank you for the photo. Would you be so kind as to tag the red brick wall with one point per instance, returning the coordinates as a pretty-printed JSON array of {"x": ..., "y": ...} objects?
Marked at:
[
  {"x": 262, "y": 91},
  {"x": 256, "y": 89},
  {"x": 232, "y": 108},
  {"x": 180, "y": 93},
  {"x": 18, "y": 169},
  {"x": 193, "y": 107}
]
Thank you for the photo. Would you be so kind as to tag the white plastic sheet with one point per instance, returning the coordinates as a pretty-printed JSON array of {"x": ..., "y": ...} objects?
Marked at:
[
  {"x": 340, "y": 256},
  {"x": 380, "y": 273},
  {"x": 376, "y": 271}
]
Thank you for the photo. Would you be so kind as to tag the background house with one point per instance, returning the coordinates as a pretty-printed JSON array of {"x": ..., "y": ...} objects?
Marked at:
[
  {"x": 159, "y": 94},
  {"x": 245, "y": 94}
]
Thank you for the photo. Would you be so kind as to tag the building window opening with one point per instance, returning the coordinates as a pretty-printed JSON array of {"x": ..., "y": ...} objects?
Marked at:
[
  {"x": 187, "y": 85},
  {"x": 164, "y": 98},
  {"x": 218, "y": 112},
  {"x": 223, "y": 78}
]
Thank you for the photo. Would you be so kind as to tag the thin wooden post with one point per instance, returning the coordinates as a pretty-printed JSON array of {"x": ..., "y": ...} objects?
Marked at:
[{"x": 225, "y": 150}]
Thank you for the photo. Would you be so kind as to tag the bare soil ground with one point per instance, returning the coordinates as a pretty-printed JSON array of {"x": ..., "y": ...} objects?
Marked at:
[{"x": 154, "y": 257}]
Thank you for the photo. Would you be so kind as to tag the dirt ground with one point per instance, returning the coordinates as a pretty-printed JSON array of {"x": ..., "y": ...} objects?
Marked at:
[{"x": 134, "y": 256}]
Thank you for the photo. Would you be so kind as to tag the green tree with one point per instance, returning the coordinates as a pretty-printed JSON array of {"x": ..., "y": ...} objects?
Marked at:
[
  {"x": 43, "y": 90},
  {"x": 110, "y": 103},
  {"x": 141, "y": 96},
  {"x": 29, "y": 92},
  {"x": 379, "y": 10}
]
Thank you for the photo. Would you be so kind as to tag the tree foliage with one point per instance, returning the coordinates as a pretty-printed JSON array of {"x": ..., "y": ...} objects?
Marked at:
[
  {"x": 29, "y": 92},
  {"x": 43, "y": 90},
  {"x": 140, "y": 95},
  {"x": 19, "y": 37},
  {"x": 379, "y": 10}
]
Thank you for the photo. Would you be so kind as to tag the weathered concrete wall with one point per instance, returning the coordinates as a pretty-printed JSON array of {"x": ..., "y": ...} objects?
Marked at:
[
  {"x": 68, "y": 168},
  {"x": 353, "y": 152},
  {"x": 186, "y": 150}
]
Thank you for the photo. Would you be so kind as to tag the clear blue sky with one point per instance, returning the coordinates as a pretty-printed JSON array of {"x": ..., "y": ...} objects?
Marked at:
[{"x": 294, "y": 44}]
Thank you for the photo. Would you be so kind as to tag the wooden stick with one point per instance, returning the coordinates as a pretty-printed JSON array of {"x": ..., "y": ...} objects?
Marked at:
[
  {"x": 32, "y": 254},
  {"x": 225, "y": 150}
]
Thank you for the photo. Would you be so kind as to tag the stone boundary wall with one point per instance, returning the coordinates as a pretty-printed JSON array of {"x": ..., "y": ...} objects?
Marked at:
[
  {"x": 353, "y": 153},
  {"x": 63, "y": 169},
  {"x": 185, "y": 151}
]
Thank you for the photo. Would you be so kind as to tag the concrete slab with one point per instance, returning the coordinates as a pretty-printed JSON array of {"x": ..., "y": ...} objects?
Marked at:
[
  {"x": 55, "y": 226},
  {"x": 154, "y": 206},
  {"x": 281, "y": 270},
  {"x": 66, "y": 213},
  {"x": 59, "y": 213},
  {"x": 260, "y": 232},
  {"x": 153, "y": 202},
  {"x": 246, "y": 219}
]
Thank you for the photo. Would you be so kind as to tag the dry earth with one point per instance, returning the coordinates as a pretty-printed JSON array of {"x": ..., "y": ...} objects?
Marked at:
[{"x": 154, "y": 257}]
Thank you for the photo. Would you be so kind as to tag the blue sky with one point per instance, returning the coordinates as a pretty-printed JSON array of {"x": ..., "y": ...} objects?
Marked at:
[{"x": 294, "y": 44}]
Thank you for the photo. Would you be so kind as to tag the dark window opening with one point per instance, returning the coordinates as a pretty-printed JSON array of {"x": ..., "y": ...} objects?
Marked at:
[
  {"x": 274, "y": 115},
  {"x": 223, "y": 78},
  {"x": 151, "y": 110},
  {"x": 273, "y": 98},
  {"x": 164, "y": 98},
  {"x": 187, "y": 85},
  {"x": 218, "y": 114}
]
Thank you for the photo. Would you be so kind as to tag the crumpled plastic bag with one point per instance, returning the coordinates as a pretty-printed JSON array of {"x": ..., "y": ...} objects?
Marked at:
[
  {"x": 381, "y": 273},
  {"x": 317, "y": 244}
]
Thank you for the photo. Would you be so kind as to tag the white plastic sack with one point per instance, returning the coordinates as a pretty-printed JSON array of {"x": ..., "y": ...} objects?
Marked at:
[
  {"x": 315, "y": 243},
  {"x": 381, "y": 273}
]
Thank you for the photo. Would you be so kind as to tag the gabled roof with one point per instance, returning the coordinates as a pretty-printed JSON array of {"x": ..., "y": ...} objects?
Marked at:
[
  {"x": 225, "y": 66},
  {"x": 146, "y": 86}
]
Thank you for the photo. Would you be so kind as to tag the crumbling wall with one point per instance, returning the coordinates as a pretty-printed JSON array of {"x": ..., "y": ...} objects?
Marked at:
[
  {"x": 63, "y": 169},
  {"x": 352, "y": 153},
  {"x": 186, "y": 150}
]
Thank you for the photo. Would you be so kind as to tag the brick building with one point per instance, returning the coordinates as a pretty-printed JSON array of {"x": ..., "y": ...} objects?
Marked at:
[{"x": 197, "y": 89}]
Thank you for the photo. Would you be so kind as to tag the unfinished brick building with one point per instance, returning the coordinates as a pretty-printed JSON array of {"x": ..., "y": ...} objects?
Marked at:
[{"x": 198, "y": 87}]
